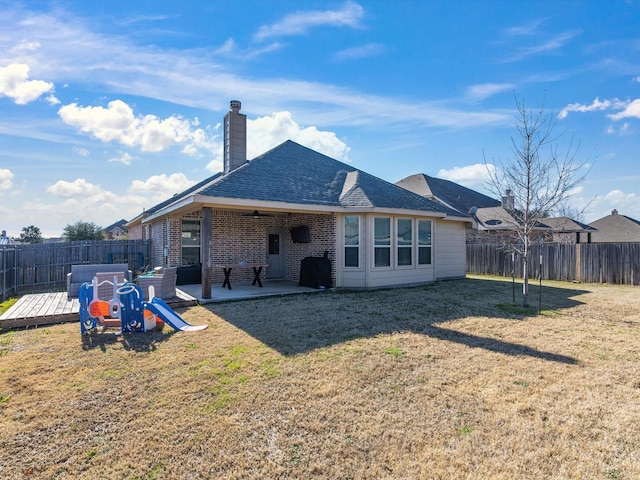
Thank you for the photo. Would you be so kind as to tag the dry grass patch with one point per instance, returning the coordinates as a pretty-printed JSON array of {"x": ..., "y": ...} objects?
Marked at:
[{"x": 434, "y": 382}]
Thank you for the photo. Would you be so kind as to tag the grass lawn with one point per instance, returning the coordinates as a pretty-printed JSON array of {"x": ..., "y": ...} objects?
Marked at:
[{"x": 447, "y": 381}]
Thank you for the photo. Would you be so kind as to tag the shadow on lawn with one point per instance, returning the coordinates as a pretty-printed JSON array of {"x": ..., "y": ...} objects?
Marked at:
[
  {"x": 301, "y": 323},
  {"x": 137, "y": 342}
]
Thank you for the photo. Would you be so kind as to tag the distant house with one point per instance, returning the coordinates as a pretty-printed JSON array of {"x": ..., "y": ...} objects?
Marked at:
[
  {"x": 116, "y": 230},
  {"x": 292, "y": 203},
  {"x": 568, "y": 230},
  {"x": 493, "y": 220},
  {"x": 4, "y": 240},
  {"x": 616, "y": 228}
]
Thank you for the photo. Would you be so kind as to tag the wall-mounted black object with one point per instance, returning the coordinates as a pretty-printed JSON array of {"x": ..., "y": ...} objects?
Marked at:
[{"x": 300, "y": 234}]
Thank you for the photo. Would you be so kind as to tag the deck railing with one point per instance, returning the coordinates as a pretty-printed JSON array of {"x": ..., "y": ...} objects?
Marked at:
[{"x": 44, "y": 267}]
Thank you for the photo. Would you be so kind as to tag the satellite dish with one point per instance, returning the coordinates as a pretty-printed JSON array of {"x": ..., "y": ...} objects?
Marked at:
[{"x": 473, "y": 210}]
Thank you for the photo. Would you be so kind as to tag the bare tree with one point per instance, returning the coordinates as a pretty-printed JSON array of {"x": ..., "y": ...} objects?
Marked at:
[{"x": 537, "y": 179}]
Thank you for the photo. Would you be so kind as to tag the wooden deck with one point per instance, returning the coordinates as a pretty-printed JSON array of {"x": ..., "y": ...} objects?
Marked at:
[{"x": 49, "y": 308}]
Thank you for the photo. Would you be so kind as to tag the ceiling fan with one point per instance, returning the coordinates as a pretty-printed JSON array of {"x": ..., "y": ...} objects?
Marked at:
[{"x": 256, "y": 214}]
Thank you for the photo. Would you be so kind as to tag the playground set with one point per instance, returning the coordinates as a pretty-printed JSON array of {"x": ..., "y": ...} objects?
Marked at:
[{"x": 126, "y": 309}]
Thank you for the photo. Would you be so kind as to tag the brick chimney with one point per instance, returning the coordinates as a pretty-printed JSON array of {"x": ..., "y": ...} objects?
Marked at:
[
  {"x": 235, "y": 137},
  {"x": 508, "y": 201}
]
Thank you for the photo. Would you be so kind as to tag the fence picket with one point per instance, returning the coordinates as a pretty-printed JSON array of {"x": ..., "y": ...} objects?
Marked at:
[
  {"x": 615, "y": 263},
  {"x": 42, "y": 267}
]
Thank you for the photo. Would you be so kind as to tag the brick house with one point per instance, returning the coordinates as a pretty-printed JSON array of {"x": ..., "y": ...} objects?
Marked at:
[
  {"x": 493, "y": 220},
  {"x": 291, "y": 203},
  {"x": 616, "y": 228},
  {"x": 116, "y": 231}
]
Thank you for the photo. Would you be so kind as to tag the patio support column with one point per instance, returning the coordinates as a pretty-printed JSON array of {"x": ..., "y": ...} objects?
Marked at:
[{"x": 205, "y": 249}]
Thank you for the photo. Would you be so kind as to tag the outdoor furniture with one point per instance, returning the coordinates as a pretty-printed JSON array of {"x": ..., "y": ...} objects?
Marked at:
[
  {"x": 164, "y": 283},
  {"x": 315, "y": 272},
  {"x": 105, "y": 291},
  {"x": 84, "y": 273},
  {"x": 257, "y": 269},
  {"x": 189, "y": 275}
]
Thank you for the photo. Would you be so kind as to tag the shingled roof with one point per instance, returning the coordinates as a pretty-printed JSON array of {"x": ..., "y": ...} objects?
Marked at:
[
  {"x": 567, "y": 225},
  {"x": 448, "y": 193},
  {"x": 294, "y": 174}
]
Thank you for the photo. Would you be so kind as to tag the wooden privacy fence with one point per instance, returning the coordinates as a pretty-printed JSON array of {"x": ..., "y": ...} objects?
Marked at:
[
  {"x": 616, "y": 263},
  {"x": 44, "y": 267}
]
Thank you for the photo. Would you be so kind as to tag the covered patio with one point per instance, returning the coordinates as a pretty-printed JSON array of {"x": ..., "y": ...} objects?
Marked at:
[{"x": 245, "y": 290}]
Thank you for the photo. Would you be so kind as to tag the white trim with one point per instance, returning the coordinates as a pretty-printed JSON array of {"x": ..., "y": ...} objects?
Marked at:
[{"x": 224, "y": 202}]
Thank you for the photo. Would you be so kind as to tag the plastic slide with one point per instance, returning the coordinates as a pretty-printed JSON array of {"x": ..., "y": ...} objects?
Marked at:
[{"x": 171, "y": 318}]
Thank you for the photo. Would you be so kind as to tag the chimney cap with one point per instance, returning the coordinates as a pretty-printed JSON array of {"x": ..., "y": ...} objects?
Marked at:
[{"x": 235, "y": 105}]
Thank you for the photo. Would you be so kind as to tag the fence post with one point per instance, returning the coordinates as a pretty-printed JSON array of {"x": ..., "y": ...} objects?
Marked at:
[
  {"x": 16, "y": 266},
  {"x": 4, "y": 273},
  {"x": 578, "y": 266}
]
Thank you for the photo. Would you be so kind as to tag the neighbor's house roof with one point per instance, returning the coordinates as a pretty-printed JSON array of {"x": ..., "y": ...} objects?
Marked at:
[
  {"x": 121, "y": 224},
  {"x": 616, "y": 228},
  {"x": 488, "y": 212},
  {"x": 295, "y": 178},
  {"x": 448, "y": 193},
  {"x": 568, "y": 225}
]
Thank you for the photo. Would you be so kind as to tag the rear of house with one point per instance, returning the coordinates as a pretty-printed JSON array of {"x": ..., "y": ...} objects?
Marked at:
[{"x": 292, "y": 203}]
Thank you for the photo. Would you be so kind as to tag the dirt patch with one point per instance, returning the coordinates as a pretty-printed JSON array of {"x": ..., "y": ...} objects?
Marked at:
[{"x": 444, "y": 381}]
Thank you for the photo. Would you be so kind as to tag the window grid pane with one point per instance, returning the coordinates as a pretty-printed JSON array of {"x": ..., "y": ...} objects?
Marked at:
[
  {"x": 352, "y": 231},
  {"x": 190, "y": 242},
  {"x": 424, "y": 242},
  {"x": 352, "y": 241},
  {"x": 382, "y": 257},
  {"x": 382, "y": 242},
  {"x": 382, "y": 231}
]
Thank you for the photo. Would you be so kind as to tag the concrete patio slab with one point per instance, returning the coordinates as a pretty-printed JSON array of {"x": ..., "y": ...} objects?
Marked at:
[{"x": 244, "y": 291}]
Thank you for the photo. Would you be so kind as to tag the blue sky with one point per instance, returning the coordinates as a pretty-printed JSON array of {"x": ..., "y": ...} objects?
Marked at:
[{"x": 109, "y": 107}]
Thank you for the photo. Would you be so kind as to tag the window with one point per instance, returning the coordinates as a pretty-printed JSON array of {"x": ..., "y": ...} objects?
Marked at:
[
  {"x": 190, "y": 242},
  {"x": 382, "y": 242},
  {"x": 274, "y": 244},
  {"x": 404, "y": 241},
  {"x": 352, "y": 241},
  {"x": 424, "y": 242}
]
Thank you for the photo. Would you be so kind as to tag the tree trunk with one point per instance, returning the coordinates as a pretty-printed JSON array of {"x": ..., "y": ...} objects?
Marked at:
[{"x": 525, "y": 274}]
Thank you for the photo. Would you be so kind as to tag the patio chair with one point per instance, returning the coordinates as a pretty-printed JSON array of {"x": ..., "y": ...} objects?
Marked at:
[{"x": 163, "y": 283}]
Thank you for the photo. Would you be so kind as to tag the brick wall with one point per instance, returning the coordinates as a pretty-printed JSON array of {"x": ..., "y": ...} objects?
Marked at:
[{"x": 237, "y": 237}]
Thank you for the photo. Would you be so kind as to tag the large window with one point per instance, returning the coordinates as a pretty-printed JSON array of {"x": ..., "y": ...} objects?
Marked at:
[
  {"x": 190, "y": 242},
  {"x": 352, "y": 241},
  {"x": 404, "y": 241},
  {"x": 382, "y": 241},
  {"x": 424, "y": 242}
]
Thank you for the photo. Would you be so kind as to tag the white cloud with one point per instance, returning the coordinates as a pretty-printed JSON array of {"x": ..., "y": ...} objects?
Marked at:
[
  {"x": 363, "y": 51},
  {"x": 549, "y": 45},
  {"x": 524, "y": 30},
  {"x": 485, "y": 90},
  {"x": 632, "y": 110},
  {"x": 471, "y": 176},
  {"x": 79, "y": 188},
  {"x": 626, "y": 203},
  {"x": 117, "y": 123},
  {"x": 83, "y": 152},
  {"x": 299, "y": 23},
  {"x": 6, "y": 179},
  {"x": 124, "y": 158},
  {"x": 14, "y": 84},
  {"x": 264, "y": 133},
  {"x": 596, "y": 105},
  {"x": 267, "y": 132},
  {"x": 166, "y": 184}
]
